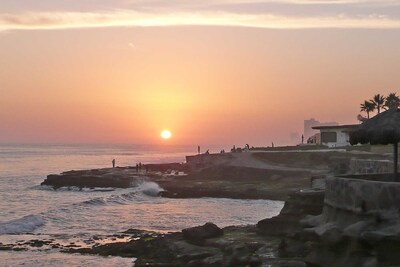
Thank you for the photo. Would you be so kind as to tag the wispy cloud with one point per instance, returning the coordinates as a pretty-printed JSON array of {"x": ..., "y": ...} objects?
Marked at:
[{"x": 274, "y": 14}]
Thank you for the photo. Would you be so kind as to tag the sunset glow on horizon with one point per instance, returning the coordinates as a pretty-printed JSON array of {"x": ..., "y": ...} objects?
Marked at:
[{"x": 216, "y": 72}]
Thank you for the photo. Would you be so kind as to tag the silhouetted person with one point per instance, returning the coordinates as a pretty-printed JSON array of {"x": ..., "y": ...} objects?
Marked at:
[
  {"x": 272, "y": 144},
  {"x": 113, "y": 163},
  {"x": 207, "y": 152},
  {"x": 140, "y": 166},
  {"x": 198, "y": 149},
  {"x": 137, "y": 167},
  {"x": 302, "y": 139}
]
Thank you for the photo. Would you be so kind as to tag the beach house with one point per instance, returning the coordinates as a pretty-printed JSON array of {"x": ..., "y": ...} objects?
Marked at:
[{"x": 336, "y": 135}]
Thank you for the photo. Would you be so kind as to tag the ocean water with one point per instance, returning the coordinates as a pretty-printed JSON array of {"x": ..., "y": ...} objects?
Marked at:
[{"x": 29, "y": 211}]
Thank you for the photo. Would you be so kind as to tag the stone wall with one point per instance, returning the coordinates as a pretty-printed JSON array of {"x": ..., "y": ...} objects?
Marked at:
[
  {"x": 359, "y": 198},
  {"x": 367, "y": 166},
  {"x": 359, "y": 225},
  {"x": 207, "y": 159}
]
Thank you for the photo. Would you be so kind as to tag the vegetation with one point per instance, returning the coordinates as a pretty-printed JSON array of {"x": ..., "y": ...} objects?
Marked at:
[
  {"x": 392, "y": 101},
  {"x": 368, "y": 107},
  {"x": 379, "y": 102}
]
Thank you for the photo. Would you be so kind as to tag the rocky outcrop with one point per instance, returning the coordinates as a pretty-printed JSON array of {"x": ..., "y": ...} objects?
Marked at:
[
  {"x": 274, "y": 242},
  {"x": 238, "y": 246},
  {"x": 198, "y": 235},
  {"x": 217, "y": 181},
  {"x": 235, "y": 182},
  {"x": 112, "y": 177},
  {"x": 163, "y": 167},
  {"x": 299, "y": 204}
]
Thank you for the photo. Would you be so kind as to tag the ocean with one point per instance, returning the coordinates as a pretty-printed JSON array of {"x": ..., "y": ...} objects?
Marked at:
[{"x": 29, "y": 211}]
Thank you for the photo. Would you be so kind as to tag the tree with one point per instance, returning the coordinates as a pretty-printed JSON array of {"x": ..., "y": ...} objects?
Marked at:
[
  {"x": 392, "y": 101},
  {"x": 368, "y": 107},
  {"x": 378, "y": 101}
]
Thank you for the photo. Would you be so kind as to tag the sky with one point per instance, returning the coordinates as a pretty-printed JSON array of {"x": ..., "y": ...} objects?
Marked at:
[{"x": 218, "y": 72}]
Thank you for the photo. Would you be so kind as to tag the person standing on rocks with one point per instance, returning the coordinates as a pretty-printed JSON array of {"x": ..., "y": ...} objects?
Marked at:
[{"x": 113, "y": 163}]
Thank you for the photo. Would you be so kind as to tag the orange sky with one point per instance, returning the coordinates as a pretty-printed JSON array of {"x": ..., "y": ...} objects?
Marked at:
[{"x": 207, "y": 84}]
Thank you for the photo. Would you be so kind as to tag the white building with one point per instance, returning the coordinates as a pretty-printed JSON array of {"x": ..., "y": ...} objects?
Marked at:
[
  {"x": 336, "y": 136},
  {"x": 309, "y": 125}
]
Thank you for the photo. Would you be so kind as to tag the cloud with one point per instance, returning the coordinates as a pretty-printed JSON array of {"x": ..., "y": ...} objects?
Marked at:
[{"x": 129, "y": 18}]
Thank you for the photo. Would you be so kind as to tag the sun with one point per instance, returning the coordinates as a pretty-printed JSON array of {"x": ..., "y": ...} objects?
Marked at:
[{"x": 165, "y": 134}]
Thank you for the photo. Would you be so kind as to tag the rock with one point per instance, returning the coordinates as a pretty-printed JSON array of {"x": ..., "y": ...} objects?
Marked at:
[
  {"x": 298, "y": 206},
  {"x": 311, "y": 221},
  {"x": 6, "y": 247},
  {"x": 89, "y": 179},
  {"x": 19, "y": 249},
  {"x": 241, "y": 255},
  {"x": 198, "y": 235},
  {"x": 213, "y": 261},
  {"x": 293, "y": 264},
  {"x": 36, "y": 243}
]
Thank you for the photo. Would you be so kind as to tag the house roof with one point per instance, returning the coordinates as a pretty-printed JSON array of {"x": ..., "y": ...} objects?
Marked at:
[{"x": 347, "y": 127}]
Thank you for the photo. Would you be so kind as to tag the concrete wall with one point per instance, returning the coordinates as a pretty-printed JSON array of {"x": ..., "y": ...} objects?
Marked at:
[
  {"x": 366, "y": 166},
  {"x": 346, "y": 199},
  {"x": 207, "y": 159}
]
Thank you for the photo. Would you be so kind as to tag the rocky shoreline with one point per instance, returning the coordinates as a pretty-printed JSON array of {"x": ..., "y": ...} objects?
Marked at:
[
  {"x": 254, "y": 245},
  {"x": 267, "y": 243},
  {"x": 178, "y": 181},
  {"x": 314, "y": 228}
]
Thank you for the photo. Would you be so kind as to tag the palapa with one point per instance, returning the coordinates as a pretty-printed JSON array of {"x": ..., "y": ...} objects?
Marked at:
[{"x": 382, "y": 129}]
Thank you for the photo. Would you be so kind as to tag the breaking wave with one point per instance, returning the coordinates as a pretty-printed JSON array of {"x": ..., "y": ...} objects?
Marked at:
[
  {"x": 150, "y": 188},
  {"x": 146, "y": 188},
  {"x": 22, "y": 225}
]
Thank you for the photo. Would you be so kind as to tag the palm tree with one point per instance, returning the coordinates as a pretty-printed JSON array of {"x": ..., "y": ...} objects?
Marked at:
[
  {"x": 378, "y": 101},
  {"x": 392, "y": 101},
  {"x": 368, "y": 107}
]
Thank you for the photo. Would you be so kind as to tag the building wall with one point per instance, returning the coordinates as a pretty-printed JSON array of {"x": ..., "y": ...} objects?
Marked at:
[{"x": 342, "y": 138}]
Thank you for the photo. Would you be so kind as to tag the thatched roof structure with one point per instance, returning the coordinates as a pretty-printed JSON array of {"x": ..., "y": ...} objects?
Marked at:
[{"x": 382, "y": 129}]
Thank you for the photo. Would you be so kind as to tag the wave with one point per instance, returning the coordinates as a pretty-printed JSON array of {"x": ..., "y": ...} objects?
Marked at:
[
  {"x": 145, "y": 188},
  {"x": 95, "y": 202},
  {"x": 150, "y": 188},
  {"x": 22, "y": 225}
]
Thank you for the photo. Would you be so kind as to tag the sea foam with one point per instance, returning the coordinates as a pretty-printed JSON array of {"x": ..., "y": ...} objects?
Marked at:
[
  {"x": 22, "y": 225},
  {"x": 150, "y": 189}
]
